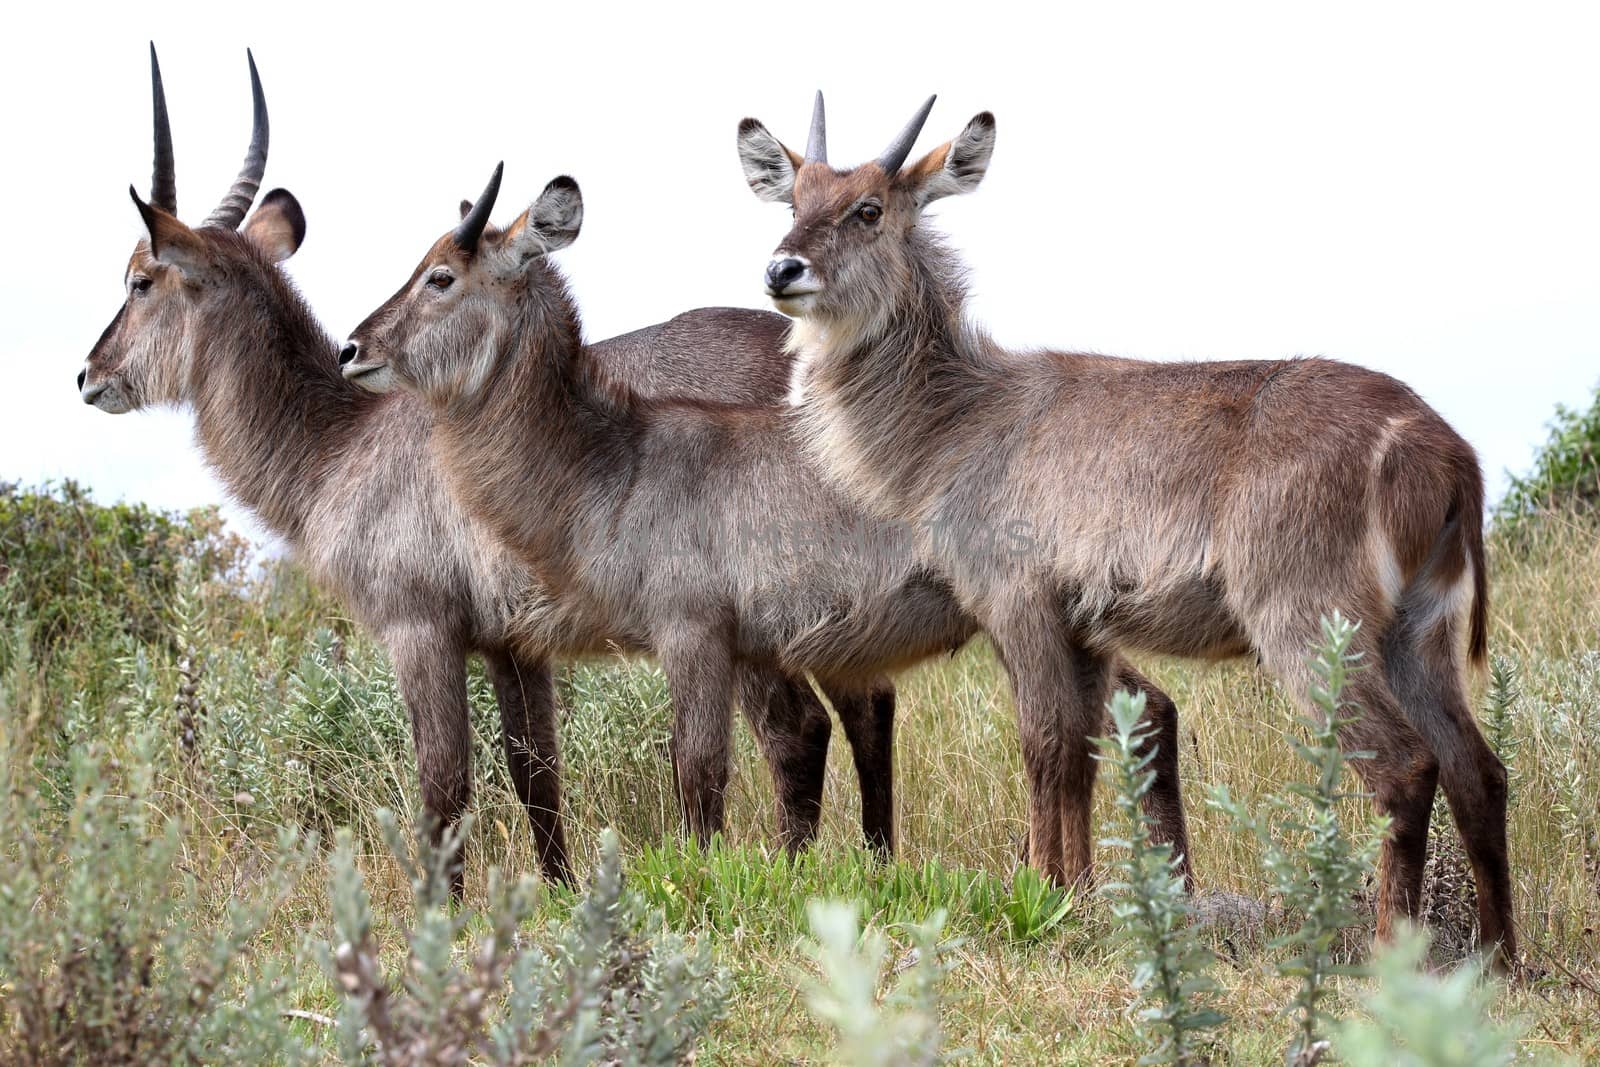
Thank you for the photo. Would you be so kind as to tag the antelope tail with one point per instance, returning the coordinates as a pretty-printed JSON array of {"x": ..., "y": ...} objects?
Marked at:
[{"x": 1469, "y": 498}]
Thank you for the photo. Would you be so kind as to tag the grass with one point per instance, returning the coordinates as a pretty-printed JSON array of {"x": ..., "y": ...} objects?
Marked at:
[{"x": 300, "y": 726}]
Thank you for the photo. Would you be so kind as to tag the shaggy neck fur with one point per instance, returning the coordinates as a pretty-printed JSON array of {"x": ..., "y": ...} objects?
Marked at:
[
  {"x": 270, "y": 407},
  {"x": 914, "y": 349},
  {"x": 543, "y": 427}
]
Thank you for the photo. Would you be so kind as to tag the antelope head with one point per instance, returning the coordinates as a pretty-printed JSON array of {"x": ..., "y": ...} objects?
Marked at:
[
  {"x": 852, "y": 238},
  {"x": 447, "y": 329},
  {"x": 180, "y": 282}
]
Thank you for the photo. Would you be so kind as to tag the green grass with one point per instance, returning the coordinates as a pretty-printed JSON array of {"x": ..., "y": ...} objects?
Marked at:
[
  {"x": 737, "y": 890},
  {"x": 303, "y": 728}
]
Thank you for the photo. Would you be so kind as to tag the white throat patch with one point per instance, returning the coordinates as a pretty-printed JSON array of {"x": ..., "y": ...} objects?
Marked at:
[
  {"x": 481, "y": 363},
  {"x": 806, "y": 343}
]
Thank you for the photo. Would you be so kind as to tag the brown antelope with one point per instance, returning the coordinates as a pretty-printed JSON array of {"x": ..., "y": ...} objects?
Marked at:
[
  {"x": 696, "y": 526},
  {"x": 350, "y": 482},
  {"x": 1196, "y": 509}
]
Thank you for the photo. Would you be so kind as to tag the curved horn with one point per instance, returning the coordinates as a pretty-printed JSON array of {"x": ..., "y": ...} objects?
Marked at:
[
  {"x": 163, "y": 180},
  {"x": 236, "y": 204},
  {"x": 895, "y": 155},
  {"x": 471, "y": 229},
  {"x": 817, "y": 143}
]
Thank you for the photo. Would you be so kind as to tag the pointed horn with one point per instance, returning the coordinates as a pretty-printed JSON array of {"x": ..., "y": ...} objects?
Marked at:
[
  {"x": 817, "y": 143},
  {"x": 237, "y": 203},
  {"x": 471, "y": 229},
  {"x": 895, "y": 155},
  {"x": 163, "y": 180}
]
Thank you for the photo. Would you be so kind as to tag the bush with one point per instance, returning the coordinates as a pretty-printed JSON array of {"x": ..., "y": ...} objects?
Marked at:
[
  {"x": 344, "y": 732},
  {"x": 1151, "y": 907},
  {"x": 1571, "y": 721},
  {"x": 88, "y": 570},
  {"x": 1312, "y": 861},
  {"x": 613, "y": 987},
  {"x": 901, "y": 1029},
  {"x": 614, "y": 745},
  {"x": 1566, "y": 472},
  {"x": 1417, "y": 1019},
  {"x": 101, "y": 957}
]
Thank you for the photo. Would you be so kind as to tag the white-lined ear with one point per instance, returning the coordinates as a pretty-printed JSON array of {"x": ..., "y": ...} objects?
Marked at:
[
  {"x": 769, "y": 167},
  {"x": 552, "y": 222},
  {"x": 956, "y": 166},
  {"x": 277, "y": 226}
]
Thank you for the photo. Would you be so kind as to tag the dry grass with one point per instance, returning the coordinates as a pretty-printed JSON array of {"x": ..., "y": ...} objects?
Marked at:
[{"x": 1060, "y": 998}]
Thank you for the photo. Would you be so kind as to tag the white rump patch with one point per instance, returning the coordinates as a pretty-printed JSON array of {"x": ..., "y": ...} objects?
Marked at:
[
  {"x": 1447, "y": 603},
  {"x": 1387, "y": 565}
]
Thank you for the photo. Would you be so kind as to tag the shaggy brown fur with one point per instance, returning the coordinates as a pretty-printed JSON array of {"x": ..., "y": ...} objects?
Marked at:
[
  {"x": 646, "y": 507},
  {"x": 1194, "y": 509},
  {"x": 350, "y": 483}
]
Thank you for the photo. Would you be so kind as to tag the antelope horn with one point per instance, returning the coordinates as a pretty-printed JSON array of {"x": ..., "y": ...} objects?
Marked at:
[
  {"x": 471, "y": 229},
  {"x": 817, "y": 143},
  {"x": 895, "y": 155},
  {"x": 163, "y": 180},
  {"x": 234, "y": 206}
]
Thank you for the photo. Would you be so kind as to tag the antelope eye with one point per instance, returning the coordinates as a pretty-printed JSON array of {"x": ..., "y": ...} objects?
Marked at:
[
  {"x": 869, "y": 213},
  {"x": 441, "y": 280},
  {"x": 140, "y": 284}
]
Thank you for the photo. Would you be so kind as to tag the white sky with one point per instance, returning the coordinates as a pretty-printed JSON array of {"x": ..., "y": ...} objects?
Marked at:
[{"x": 1413, "y": 189}]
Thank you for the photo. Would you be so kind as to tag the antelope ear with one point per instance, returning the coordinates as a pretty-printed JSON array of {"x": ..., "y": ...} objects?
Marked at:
[
  {"x": 278, "y": 225},
  {"x": 551, "y": 222},
  {"x": 171, "y": 242},
  {"x": 769, "y": 167},
  {"x": 956, "y": 166}
]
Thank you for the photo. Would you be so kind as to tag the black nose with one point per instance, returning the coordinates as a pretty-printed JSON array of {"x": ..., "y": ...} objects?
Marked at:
[
  {"x": 81, "y": 376},
  {"x": 783, "y": 271},
  {"x": 349, "y": 352}
]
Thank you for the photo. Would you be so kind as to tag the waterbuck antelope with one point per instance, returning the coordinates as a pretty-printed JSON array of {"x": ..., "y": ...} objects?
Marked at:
[
  {"x": 350, "y": 482},
  {"x": 698, "y": 527},
  {"x": 1197, "y": 509}
]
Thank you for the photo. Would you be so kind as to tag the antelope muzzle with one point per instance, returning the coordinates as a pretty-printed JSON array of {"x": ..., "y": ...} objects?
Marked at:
[
  {"x": 365, "y": 368},
  {"x": 791, "y": 283}
]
